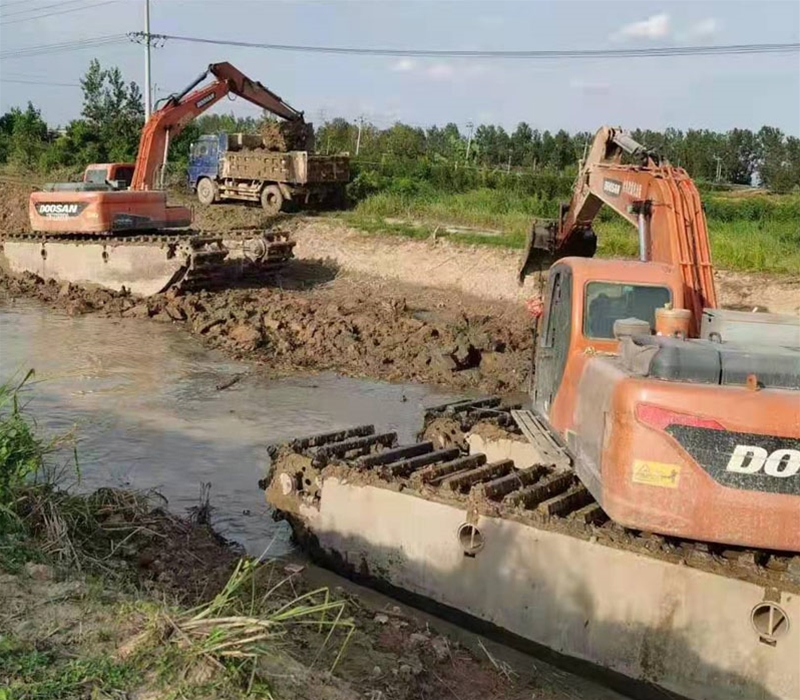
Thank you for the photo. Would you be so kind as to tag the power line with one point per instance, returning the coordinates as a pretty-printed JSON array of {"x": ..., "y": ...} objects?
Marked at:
[
  {"x": 36, "y": 9},
  {"x": 63, "y": 47},
  {"x": 15, "y": 2},
  {"x": 63, "y": 12},
  {"x": 37, "y": 82},
  {"x": 723, "y": 50}
]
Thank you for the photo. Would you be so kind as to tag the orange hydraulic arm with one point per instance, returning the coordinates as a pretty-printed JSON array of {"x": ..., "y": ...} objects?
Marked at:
[
  {"x": 659, "y": 199},
  {"x": 168, "y": 121}
]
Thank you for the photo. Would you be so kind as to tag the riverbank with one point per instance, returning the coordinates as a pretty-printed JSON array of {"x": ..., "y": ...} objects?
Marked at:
[
  {"x": 165, "y": 608},
  {"x": 323, "y": 319},
  {"x": 110, "y": 594}
]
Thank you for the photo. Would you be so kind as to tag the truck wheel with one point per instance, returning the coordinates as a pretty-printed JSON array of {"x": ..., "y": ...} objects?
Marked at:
[
  {"x": 207, "y": 191},
  {"x": 272, "y": 199}
]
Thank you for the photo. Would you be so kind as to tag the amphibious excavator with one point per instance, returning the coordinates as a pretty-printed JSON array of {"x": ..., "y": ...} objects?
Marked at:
[
  {"x": 115, "y": 229},
  {"x": 643, "y": 512}
]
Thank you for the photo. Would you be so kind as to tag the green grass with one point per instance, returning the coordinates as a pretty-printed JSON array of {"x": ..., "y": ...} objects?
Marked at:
[
  {"x": 47, "y": 675},
  {"x": 749, "y": 233}
]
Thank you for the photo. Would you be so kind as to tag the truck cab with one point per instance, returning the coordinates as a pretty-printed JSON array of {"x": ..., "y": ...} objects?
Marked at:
[{"x": 204, "y": 157}]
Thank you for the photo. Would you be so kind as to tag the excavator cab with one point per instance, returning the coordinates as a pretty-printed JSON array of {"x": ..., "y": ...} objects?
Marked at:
[
  {"x": 584, "y": 300},
  {"x": 670, "y": 434}
]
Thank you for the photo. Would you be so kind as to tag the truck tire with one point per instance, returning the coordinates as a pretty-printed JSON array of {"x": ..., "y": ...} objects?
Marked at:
[
  {"x": 207, "y": 191},
  {"x": 272, "y": 199}
]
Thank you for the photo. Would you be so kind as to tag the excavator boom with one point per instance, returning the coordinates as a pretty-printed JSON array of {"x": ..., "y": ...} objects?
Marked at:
[
  {"x": 659, "y": 199},
  {"x": 167, "y": 122},
  {"x": 102, "y": 231}
]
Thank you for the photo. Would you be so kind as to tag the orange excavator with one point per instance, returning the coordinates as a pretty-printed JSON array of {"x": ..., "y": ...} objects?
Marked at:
[
  {"x": 678, "y": 418},
  {"x": 693, "y": 431},
  {"x": 116, "y": 229},
  {"x": 642, "y": 511}
]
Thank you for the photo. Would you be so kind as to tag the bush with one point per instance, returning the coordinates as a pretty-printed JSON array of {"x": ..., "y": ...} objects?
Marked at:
[{"x": 21, "y": 452}]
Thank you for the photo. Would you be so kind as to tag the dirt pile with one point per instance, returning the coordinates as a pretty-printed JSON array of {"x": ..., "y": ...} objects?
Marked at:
[
  {"x": 288, "y": 136},
  {"x": 346, "y": 326}
]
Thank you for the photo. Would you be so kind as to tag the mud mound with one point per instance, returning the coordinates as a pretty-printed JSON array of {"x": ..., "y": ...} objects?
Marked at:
[
  {"x": 14, "y": 206},
  {"x": 288, "y": 136},
  {"x": 345, "y": 326}
]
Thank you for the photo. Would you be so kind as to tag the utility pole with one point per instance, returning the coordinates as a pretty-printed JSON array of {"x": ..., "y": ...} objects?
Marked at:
[
  {"x": 358, "y": 138},
  {"x": 470, "y": 126},
  {"x": 719, "y": 168},
  {"x": 148, "y": 96},
  {"x": 508, "y": 165}
]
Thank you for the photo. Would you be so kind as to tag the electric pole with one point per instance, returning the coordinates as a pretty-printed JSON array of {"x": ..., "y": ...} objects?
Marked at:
[
  {"x": 358, "y": 138},
  {"x": 470, "y": 126},
  {"x": 719, "y": 168},
  {"x": 148, "y": 97}
]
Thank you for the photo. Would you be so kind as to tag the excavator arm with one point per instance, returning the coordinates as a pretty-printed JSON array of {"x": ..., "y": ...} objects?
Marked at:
[
  {"x": 168, "y": 121},
  {"x": 659, "y": 199}
]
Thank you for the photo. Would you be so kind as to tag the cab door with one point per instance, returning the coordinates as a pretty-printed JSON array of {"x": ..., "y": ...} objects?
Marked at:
[{"x": 554, "y": 339}]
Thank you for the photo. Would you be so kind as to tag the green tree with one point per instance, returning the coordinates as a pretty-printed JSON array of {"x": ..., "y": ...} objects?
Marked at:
[
  {"x": 522, "y": 145},
  {"x": 28, "y": 138},
  {"x": 740, "y": 156},
  {"x": 114, "y": 110}
]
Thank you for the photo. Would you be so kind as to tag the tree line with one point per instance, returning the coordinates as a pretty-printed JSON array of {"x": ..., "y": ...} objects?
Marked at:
[{"x": 112, "y": 117}]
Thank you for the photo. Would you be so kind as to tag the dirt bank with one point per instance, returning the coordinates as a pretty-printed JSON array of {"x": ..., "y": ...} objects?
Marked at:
[
  {"x": 107, "y": 596},
  {"x": 483, "y": 271},
  {"x": 354, "y": 325}
]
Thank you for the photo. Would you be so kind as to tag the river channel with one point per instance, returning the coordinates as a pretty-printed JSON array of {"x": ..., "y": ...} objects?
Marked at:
[{"x": 148, "y": 412}]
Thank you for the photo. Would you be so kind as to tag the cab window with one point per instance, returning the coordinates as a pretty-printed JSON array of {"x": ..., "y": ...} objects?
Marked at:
[
  {"x": 200, "y": 149},
  {"x": 125, "y": 174},
  {"x": 97, "y": 176},
  {"x": 607, "y": 302}
]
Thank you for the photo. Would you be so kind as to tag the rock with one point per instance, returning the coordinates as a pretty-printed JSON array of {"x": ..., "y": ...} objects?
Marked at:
[
  {"x": 39, "y": 572},
  {"x": 138, "y": 311},
  {"x": 441, "y": 648},
  {"x": 76, "y": 307},
  {"x": 794, "y": 569},
  {"x": 381, "y": 619},
  {"x": 492, "y": 362},
  {"x": 418, "y": 639},
  {"x": 64, "y": 290},
  {"x": 204, "y": 325},
  {"x": 443, "y": 362},
  {"x": 272, "y": 324},
  {"x": 466, "y": 355},
  {"x": 245, "y": 335},
  {"x": 175, "y": 312}
]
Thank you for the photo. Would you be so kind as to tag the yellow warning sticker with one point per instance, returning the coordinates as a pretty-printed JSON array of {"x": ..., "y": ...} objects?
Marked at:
[{"x": 665, "y": 476}]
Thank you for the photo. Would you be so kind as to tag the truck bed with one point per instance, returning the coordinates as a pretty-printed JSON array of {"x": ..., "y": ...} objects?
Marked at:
[{"x": 294, "y": 167}]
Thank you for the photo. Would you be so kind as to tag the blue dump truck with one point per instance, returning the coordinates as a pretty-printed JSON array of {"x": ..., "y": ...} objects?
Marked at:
[{"x": 237, "y": 167}]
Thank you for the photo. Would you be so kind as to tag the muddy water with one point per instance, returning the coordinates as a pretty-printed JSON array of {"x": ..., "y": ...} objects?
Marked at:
[{"x": 144, "y": 402}]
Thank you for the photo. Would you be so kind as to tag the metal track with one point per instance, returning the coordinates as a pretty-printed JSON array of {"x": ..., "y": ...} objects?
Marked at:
[
  {"x": 543, "y": 495},
  {"x": 211, "y": 260}
]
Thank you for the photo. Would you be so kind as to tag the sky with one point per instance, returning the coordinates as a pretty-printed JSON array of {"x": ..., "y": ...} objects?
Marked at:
[{"x": 712, "y": 92}]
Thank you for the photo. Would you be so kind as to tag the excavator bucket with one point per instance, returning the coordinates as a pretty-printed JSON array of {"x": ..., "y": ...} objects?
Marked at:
[
  {"x": 537, "y": 252},
  {"x": 542, "y": 250}
]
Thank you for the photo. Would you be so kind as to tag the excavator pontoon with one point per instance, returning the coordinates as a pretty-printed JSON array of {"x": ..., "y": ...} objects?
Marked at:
[
  {"x": 643, "y": 512},
  {"x": 115, "y": 229}
]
